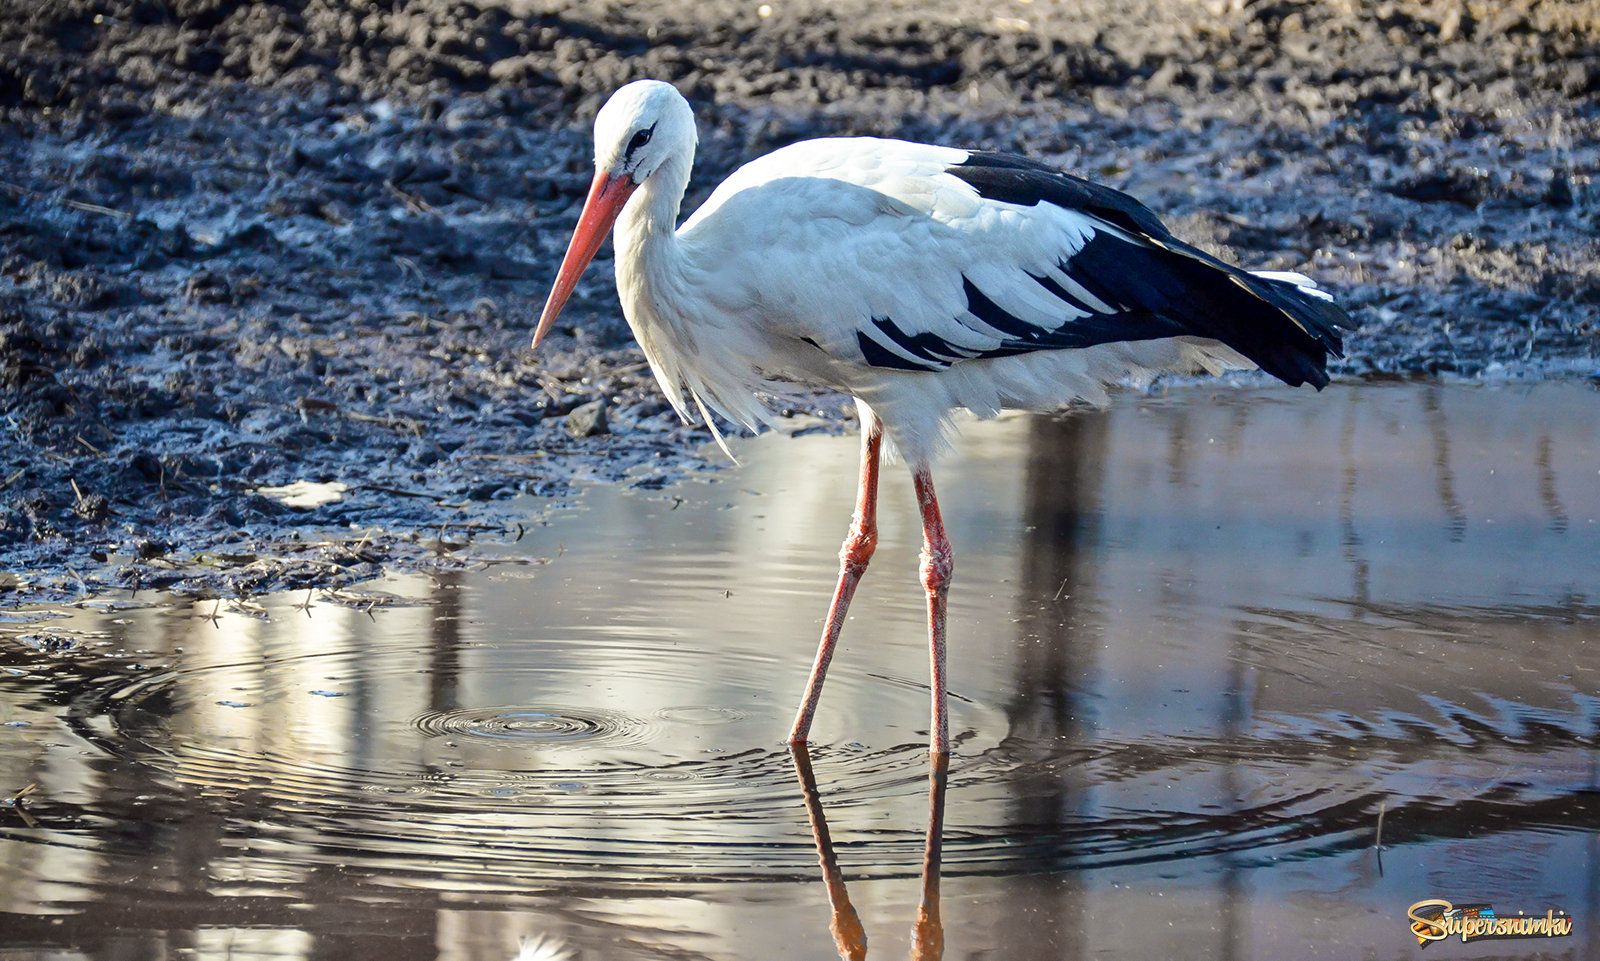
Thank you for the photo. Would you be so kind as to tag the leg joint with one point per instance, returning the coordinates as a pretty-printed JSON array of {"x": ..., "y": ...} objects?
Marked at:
[
  {"x": 858, "y": 547},
  {"x": 938, "y": 565}
]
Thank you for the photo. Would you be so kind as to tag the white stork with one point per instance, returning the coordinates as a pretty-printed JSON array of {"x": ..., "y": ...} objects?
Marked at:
[{"x": 918, "y": 280}]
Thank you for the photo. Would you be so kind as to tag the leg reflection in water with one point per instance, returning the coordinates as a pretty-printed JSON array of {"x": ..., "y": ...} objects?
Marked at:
[{"x": 927, "y": 934}]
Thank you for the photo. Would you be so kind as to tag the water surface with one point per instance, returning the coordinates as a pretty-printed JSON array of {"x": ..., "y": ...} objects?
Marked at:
[{"x": 1199, "y": 643}]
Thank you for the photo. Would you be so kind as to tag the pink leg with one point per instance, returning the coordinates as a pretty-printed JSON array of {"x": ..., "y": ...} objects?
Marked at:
[
  {"x": 938, "y": 562},
  {"x": 853, "y": 557}
]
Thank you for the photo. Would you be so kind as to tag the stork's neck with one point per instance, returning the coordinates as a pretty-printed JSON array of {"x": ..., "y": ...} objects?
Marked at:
[
  {"x": 651, "y": 275},
  {"x": 646, "y": 233}
]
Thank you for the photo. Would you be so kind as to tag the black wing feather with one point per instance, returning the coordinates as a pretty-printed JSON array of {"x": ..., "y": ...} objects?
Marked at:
[{"x": 1162, "y": 286}]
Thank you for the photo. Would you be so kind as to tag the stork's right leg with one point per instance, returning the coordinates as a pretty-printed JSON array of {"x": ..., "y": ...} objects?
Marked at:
[{"x": 853, "y": 558}]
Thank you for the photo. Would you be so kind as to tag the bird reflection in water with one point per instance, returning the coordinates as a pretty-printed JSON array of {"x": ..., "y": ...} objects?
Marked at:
[{"x": 927, "y": 933}]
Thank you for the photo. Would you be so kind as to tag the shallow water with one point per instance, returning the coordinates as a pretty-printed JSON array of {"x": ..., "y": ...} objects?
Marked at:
[{"x": 1199, "y": 644}]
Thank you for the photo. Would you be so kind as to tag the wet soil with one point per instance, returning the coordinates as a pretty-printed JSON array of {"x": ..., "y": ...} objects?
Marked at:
[{"x": 249, "y": 244}]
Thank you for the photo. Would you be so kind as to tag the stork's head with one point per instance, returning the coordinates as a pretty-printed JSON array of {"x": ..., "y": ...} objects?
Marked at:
[{"x": 642, "y": 127}]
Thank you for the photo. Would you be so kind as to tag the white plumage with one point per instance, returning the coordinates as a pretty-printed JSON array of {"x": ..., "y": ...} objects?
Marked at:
[
  {"x": 820, "y": 227},
  {"x": 918, "y": 279}
]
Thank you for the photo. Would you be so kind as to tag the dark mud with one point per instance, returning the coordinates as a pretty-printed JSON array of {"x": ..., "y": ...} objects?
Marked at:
[{"x": 248, "y": 244}]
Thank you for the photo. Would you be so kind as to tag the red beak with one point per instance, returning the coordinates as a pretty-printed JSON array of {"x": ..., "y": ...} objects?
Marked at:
[{"x": 606, "y": 196}]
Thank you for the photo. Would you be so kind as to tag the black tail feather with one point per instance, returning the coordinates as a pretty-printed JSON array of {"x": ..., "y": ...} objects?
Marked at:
[
  {"x": 1138, "y": 266},
  {"x": 1286, "y": 332}
]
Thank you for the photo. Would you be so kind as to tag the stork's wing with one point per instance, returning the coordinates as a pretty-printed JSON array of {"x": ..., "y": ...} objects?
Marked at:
[
  {"x": 1158, "y": 286},
  {"x": 913, "y": 257}
]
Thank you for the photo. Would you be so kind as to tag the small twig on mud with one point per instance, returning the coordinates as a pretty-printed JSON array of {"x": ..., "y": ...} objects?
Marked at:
[
  {"x": 1377, "y": 841},
  {"x": 97, "y": 451},
  {"x": 1063, "y": 587},
  {"x": 471, "y": 527},
  {"x": 96, "y": 209},
  {"x": 413, "y": 203},
  {"x": 14, "y": 802},
  {"x": 404, "y": 423},
  {"x": 93, "y": 208},
  {"x": 524, "y": 456},
  {"x": 215, "y": 617},
  {"x": 407, "y": 266},
  {"x": 394, "y": 491},
  {"x": 306, "y": 604},
  {"x": 76, "y": 491},
  {"x": 13, "y": 478},
  {"x": 242, "y": 605},
  {"x": 74, "y": 204}
]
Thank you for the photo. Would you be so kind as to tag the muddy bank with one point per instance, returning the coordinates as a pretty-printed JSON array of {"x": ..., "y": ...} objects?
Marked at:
[{"x": 243, "y": 245}]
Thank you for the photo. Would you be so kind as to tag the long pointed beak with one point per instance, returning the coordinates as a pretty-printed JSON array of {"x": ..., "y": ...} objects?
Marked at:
[{"x": 606, "y": 196}]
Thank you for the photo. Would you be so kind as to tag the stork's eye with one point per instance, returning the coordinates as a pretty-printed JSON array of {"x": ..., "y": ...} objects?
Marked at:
[{"x": 639, "y": 140}]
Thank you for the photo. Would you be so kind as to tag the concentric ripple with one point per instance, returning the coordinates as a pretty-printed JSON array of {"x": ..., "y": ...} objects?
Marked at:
[
  {"x": 585, "y": 750},
  {"x": 516, "y": 794},
  {"x": 548, "y": 725}
]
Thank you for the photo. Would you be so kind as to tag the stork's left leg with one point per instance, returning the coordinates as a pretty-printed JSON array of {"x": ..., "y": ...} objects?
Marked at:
[
  {"x": 853, "y": 557},
  {"x": 938, "y": 562}
]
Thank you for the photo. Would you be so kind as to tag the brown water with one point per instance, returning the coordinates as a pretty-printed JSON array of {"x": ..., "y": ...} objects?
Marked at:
[{"x": 1199, "y": 643}]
